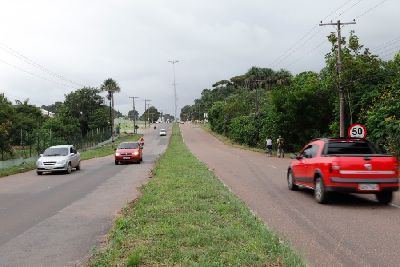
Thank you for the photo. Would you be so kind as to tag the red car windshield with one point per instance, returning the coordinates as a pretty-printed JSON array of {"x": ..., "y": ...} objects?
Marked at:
[{"x": 128, "y": 146}]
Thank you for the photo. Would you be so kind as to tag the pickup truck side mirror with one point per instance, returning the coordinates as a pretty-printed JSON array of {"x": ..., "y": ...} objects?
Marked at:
[{"x": 296, "y": 156}]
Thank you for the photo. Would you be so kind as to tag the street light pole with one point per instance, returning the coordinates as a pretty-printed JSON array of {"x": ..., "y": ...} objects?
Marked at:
[
  {"x": 146, "y": 109},
  {"x": 173, "y": 67},
  {"x": 134, "y": 117}
]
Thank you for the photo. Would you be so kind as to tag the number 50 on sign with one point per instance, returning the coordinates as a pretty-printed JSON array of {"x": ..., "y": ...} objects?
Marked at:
[{"x": 357, "y": 131}]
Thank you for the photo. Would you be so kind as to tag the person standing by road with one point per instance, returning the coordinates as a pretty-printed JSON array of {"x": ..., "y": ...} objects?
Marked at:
[
  {"x": 268, "y": 143},
  {"x": 280, "y": 143}
]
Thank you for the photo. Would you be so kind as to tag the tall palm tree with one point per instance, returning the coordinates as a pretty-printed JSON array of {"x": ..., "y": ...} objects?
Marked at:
[{"x": 110, "y": 86}]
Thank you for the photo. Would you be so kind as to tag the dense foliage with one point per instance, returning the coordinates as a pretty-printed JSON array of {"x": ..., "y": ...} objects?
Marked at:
[
  {"x": 82, "y": 117},
  {"x": 267, "y": 103},
  {"x": 151, "y": 114}
]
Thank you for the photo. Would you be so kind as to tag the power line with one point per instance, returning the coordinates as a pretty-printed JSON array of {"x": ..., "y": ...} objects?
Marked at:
[
  {"x": 310, "y": 34},
  {"x": 385, "y": 45},
  {"x": 344, "y": 11},
  {"x": 391, "y": 53},
  {"x": 336, "y": 10},
  {"x": 33, "y": 74},
  {"x": 31, "y": 62},
  {"x": 305, "y": 54},
  {"x": 370, "y": 9}
]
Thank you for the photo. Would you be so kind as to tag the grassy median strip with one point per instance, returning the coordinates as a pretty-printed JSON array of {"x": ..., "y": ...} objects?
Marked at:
[
  {"x": 187, "y": 217},
  {"x": 88, "y": 154}
]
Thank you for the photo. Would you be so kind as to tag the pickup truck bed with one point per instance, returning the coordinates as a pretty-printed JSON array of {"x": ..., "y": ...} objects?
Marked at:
[{"x": 344, "y": 165}]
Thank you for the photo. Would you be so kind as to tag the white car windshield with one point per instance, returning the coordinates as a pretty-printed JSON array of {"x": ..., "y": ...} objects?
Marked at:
[{"x": 56, "y": 151}]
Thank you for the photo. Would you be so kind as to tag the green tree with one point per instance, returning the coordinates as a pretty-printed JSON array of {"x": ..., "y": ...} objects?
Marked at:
[
  {"x": 133, "y": 114},
  {"x": 6, "y": 118},
  {"x": 111, "y": 87},
  {"x": 86, "y": 106},
  {"x": 186, "y": 113},
  {"x": 54, "y": 107},
  {"x": 27, "y": 119},
  {"x": 151, "y": 114}
]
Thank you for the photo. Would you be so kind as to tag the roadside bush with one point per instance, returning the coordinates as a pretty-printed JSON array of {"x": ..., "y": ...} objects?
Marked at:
[
  {"x": 244, "y": 130},
  {"x": 216, "y": 117}
]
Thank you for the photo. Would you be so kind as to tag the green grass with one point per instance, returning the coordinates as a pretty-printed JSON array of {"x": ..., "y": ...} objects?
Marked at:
[
  {"x": 85, "y": 155},
  {"x": 17, "y": 169},
  {"x": 187, "y": 217}
]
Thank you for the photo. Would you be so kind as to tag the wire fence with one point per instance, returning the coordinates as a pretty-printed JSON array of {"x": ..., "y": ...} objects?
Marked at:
[{"x": 35, "y": 142}]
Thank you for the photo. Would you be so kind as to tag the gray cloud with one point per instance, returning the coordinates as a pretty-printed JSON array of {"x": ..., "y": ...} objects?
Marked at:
[{"x": 132, "y": 41}]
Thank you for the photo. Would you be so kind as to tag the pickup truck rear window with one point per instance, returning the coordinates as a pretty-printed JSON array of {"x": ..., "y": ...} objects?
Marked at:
[{"x": 348, "y": 147}]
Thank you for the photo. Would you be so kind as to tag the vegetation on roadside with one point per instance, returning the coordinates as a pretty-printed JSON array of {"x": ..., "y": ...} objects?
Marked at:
[
  {"x": 17, "y": 169},
  {"x": 85, "y": 155},
  {"x": 187, "y": 217},
  {"x": 267, "y": 103}
]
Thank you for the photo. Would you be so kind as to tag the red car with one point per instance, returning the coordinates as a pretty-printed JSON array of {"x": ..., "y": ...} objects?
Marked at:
[
  {"x": 344, "y": 165},
  {"x": 128, "y": 152}
]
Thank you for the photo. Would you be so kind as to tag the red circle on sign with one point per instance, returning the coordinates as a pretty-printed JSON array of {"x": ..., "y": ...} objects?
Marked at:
[{"x": 357, "y": 131}]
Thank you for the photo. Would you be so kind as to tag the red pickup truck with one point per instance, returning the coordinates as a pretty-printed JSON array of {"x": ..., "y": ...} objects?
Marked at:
[{"x": 344, "y": 165}]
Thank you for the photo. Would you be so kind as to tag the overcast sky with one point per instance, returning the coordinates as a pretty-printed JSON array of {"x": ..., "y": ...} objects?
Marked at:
[{"x": 84, "y": 42}]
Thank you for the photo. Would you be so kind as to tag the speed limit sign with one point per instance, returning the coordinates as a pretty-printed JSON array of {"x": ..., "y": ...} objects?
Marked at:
[{"x": 357, "y": 131}]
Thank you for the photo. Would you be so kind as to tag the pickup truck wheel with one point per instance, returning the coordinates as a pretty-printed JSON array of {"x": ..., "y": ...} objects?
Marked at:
[
  {"x": 384, "y": 197},
  {"x": 69, "y": 168},
  {"x": 39, "y": 173},
  {"x": 320, "y": 195},
  {"x": 290, "y": 180}
]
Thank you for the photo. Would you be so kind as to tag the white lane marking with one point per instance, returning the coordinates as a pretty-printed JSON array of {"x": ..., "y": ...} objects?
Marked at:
[
  {"x": 273, "y": 166},
  {"x": 394, "y": 205}
]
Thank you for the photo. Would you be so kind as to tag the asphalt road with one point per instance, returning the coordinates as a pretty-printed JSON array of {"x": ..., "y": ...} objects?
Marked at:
[
  {"x": 353, "y": 230},
  {"x": 56, "y": 219}
]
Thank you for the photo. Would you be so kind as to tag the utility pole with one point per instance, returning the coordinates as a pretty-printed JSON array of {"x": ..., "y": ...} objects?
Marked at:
[
  {"x": 339, "y": 70},
  {"x": 111, "y": 117},
  {"x": 134, "y": 116},
  {"x": 146, "y": 111},
  {"x": 173, "y": 67}
]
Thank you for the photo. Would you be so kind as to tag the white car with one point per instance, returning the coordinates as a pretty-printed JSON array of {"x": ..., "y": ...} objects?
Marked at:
[
  {"x": 163, "y": 132},
  {"x": 58, "y": 159}
]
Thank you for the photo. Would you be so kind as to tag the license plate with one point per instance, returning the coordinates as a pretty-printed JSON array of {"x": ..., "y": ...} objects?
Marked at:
[
  {"x": 126, "y": 157},
  {"x": 368, "y": 187}
]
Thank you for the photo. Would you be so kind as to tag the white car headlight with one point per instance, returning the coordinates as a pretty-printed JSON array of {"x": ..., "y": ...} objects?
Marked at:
[
  {"x": 39, "y": 162},
  {"x": 117, "y": 154},
  {"x": 63, "y": 161}
]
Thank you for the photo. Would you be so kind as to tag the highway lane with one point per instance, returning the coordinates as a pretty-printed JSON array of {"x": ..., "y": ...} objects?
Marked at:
[
  {"x": 353, "y": 230},
  {"x": 55, "y": 219}
]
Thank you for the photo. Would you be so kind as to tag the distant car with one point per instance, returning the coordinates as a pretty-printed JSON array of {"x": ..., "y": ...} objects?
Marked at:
[
  {"x": 344, "y": 165},
  {"x": 163, "y": 132},
  {"x": 128, "y": 152},
  {"x": 61, "y": 158}
]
